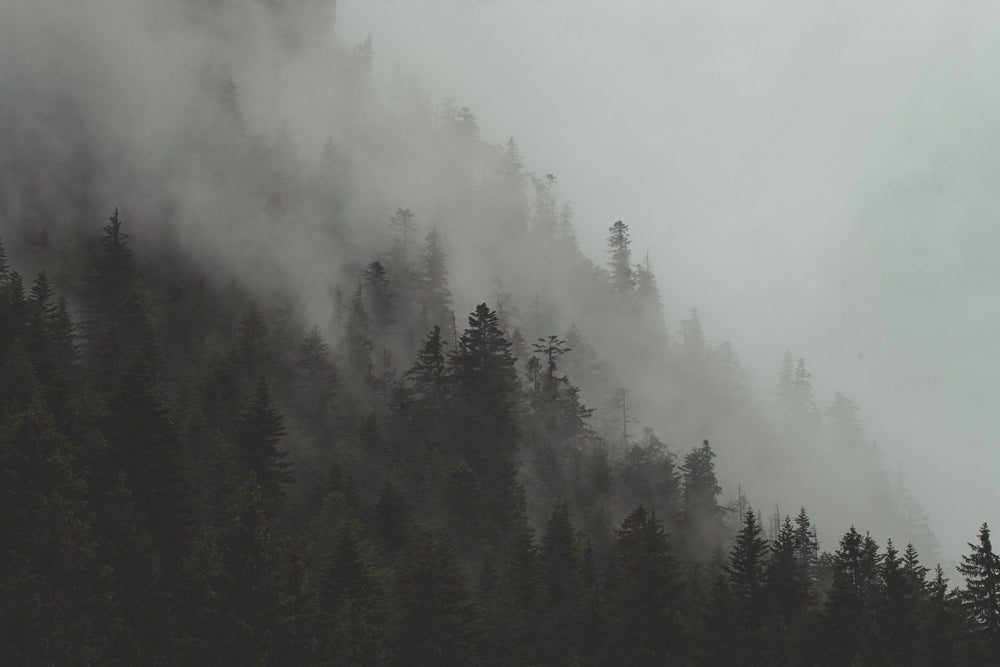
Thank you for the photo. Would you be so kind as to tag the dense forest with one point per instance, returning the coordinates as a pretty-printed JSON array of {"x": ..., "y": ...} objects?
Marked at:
[{"x": 339, "y": 387}]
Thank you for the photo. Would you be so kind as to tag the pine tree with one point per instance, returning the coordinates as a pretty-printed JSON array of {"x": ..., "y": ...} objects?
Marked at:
[
  {"x": 256, "y": 449},
  {"x": 254, "y": 608},
  {"x": 622, "y": 274},
  {"x": 562, "y": 584},
  {"x": 746, "y": 564},
  {"x": 525, "y": 589},
  {"x": 434, "y": 281},
  {"x": 701, "y": 514},
  {"x": 379, "y": 296},
  {"x": 850, "y": 605},
  {"x": 357, "y": 343},
  {"x": 56, "y": 603},
  {"x": 691, "y": 348},
  {"x": 4, "y": 265},
  {"x": 486, "y": 382},
  {"x": 898, "y": 609},
  {"x": 981, "y": 569},
  {"x": 318, "y": 376},
  {"x": 354, "y": 604},
  {"x": 114, "y": 322},
  {"x": 644, "y": 589},
  {"x": 434, "y": 618},
  {"x": 250, "y": 353}
]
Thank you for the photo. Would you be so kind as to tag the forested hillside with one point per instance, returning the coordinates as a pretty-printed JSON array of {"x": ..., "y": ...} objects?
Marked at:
[{"x": 295, "y": 372}]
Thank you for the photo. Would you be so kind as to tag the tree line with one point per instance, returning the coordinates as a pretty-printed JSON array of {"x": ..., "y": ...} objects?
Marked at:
[{"x": 192, "y": 476}]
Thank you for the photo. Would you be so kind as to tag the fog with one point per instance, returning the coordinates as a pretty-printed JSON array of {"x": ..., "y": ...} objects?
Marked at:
[{"x": 812, "y": 177}]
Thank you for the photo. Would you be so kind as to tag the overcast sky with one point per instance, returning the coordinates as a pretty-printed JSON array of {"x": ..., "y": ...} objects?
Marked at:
[{"x": 812, "y": 176}]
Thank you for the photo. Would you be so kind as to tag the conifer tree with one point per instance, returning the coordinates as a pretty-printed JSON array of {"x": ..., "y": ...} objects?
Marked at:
[
  {"x": 483, "y": 370},
  {"x": 354, "y": 603},
  {"x": 562, "y": 583},
  {"x": 4, "y": 264},
  {"x": 850, "y": 605},
  {"x": 644, "y": 589},
  {"x": 56, "y": 604},
  {"x": 981, "y": 569},
  {"x": 434, "y": 281},
  {"x": 256, "y": 450},
  {"x": 701, "y": 513},
  {"x": 622, "y": 274},
  {"x": 357, "y": 343},
  {"x": 318, "y": 375},
  {"x": 381, "y": 299},
  {"x": 434, "y": 617},
  {"x": 746, "y": 563}
]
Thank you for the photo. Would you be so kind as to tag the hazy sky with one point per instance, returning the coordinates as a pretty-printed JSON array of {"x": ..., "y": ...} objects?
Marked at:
[{"x": 812, "y": 176}]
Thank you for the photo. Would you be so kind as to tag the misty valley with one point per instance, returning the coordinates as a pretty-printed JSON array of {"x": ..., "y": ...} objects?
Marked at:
[{"x": 297, "y": 370}]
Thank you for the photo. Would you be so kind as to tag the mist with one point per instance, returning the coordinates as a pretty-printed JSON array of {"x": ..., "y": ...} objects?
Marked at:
[
  {"x": 812, "y": 178},
  {"x": 504, "y": 333}
]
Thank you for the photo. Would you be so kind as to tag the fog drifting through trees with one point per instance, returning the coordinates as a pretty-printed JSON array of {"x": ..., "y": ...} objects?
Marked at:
[{"x": 327, "y": 319}]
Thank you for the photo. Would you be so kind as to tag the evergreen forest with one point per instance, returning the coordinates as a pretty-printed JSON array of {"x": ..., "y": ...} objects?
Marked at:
[{"x": 348, "y": 392}]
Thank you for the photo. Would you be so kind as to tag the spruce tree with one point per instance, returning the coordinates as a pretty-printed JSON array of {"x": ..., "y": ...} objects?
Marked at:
[
  {"x": 981, "y": 569},
  {"x": 486, "y": 412},
  {"x": 622, "y": 275},
  {"x": 644, "y": 589},
  {"x": 434, "y": 281},
  {"x": 701, "y": 514},
  {"x": 256, "y": 449},
  {"x": 434, "y": 612}
]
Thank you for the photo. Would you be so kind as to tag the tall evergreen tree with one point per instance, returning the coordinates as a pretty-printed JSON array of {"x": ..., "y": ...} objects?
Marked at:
[
  {"x": 981, "y": 569},
  {"x": 562, "y": 584},
  {"x": 850, "y": 619},
  {"x": 746, "y": 564},
  {"x": 56, "y": 604},
  {"x": 486, "y": 410},
  {"x": 644, "y": 589},
  {"x": 379, "y": 296},
  {"x": 701, "y": 513},
  {"x": 434, "y": 281},
  {"x": 434, "y": 617},
  {"x": 256, "y": 449},
  {"x": 622, "y": 274},
  {"x": 357, "y": 342}
]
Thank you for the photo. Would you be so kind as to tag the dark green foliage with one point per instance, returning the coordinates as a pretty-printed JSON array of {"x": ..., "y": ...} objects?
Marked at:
[
  {"x": 701, "y": 513},
  {"x": 644, "y": 588},
  {"x": 486, "y": 417},
  {"x": 850, "y": 614},
  {"x": 316, "y": 383},
  {"x": 251, "y": 621},
  {"x": 354, "y": 604},
  {"x": 56, "y": 606},
  {"x": 562, "y": 583},
  {"x": 746, "y": 564},
  {"x": 149, "y": 517},
  {"x": 434, "y": 620},
  {"x": 256, "y": 449},
  {"x": 981, "y": 569}
]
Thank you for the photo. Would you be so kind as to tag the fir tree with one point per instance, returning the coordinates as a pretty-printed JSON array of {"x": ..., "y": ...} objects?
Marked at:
[
  {"x": 981, "y": 569},
  {"x": 622, "y": 274},
  {"x": 434, "y": 611},
  {"x": 256, "y": 449}
]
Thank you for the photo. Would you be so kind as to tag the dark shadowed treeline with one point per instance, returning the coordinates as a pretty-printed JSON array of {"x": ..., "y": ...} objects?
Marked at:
[
  {"x": 337, "y": 386},
  {"x": 246, "y": 507}
]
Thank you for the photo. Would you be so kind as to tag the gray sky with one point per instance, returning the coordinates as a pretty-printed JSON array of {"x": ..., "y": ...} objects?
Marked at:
[{"x": 814, "y": 176}]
